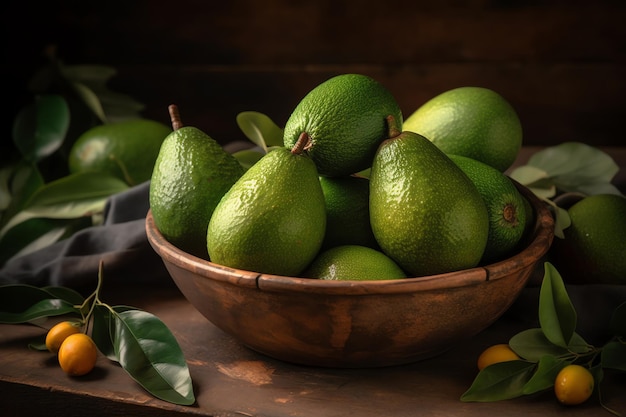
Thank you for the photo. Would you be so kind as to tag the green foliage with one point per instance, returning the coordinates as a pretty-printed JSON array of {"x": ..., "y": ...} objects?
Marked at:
[
  {"x": 137, "y": 340},
  {"x": 500, "y": 381},
  {"x": 141, "y": 339},
  {"x": 557, "y": 316},
  {"x": 262, "y": 132},
  {"x": 40, "y": 203},
  {"x": 40, "y": 128},
  {"x": 570, "y": 167},
  {"x": 544, "y": 351}
]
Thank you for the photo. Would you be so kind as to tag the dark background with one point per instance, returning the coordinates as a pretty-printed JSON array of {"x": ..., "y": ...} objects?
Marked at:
[{"x": 562, "y": 64}]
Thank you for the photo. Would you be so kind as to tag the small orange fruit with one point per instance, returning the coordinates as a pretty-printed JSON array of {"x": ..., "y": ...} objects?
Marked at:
[
  {"x": 573, "y": 385},
  {"x": 495, "y": 354},
  {"x": 78, "y": 354},
  {"x": 59, "y": 332}
]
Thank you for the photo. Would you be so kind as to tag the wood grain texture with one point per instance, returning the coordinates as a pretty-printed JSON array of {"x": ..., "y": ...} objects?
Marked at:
[{"x": 233, "y": 381}]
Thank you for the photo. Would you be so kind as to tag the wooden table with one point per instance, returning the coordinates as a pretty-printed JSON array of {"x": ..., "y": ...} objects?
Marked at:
[{"x": 230, "y": 380}]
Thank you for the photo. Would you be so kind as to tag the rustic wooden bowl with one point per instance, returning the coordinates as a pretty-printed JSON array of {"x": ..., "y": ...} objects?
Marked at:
[{"x": 360, "y": 323}]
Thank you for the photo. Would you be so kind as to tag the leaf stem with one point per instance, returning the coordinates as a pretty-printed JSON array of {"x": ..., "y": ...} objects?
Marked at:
[{"x": 94, "y": 297}]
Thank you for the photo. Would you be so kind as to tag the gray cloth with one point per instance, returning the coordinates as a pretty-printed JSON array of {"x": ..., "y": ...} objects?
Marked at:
[{"x": 120, "y": 242}]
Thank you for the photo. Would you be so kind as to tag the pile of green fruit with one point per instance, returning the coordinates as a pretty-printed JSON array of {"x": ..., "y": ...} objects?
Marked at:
[{"x": 353, "y": 191}]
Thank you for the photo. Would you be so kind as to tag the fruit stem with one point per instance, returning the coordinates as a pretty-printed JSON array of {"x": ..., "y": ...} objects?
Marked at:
[
  {"x": 175, "y": 117},
  {"x": 509, "y": 214},
  {"x": 302, "y": 144},
  {"x": 392, "y": 126}
]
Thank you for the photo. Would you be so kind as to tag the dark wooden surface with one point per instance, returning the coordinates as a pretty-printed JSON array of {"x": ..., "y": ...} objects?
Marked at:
[
  {"x": 560, "y": 63},
  {"x": 233, "y": 381}
]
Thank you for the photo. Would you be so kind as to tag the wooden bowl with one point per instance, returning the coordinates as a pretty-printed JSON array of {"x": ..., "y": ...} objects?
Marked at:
[{"x": 352, "y": 324}]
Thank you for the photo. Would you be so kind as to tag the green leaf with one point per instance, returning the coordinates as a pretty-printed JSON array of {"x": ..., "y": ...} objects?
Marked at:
[
  {"x": 618, "y": 321},
  {"x": 43, "y": 308},
  {"x": 39, "y": 344},
  {"x": 5, "y": 189},
  {"x": 40, "y": 128},
  {"x": 103, "y": 328},
  {"x": 37, "y": 233},
  {"x": 65, "y": 293},
  {"x": 30, "y": 235},
  {"x": 500, "y": 381},
  {"x": 532, "y": 345},
  {"x": 15, "y": 298},
  {"x": 89, "y": 82},
  {"x": 70, "y": 197},
  {"x": 260, "y": 129},
  {"x": 547, "y": 369},
  {"x": 22, "y": 181},
  {"x": 103, "y": 331},
  {"x": 562, "y": 221},
  {"x": 577, "y": 167},
  {"x": 528, "y": 175},
  {"x": 91, "y": 100},
  {"x": 150, "y": 354},
  {"x": 536, "y": 179},
  {"x": 613, "y": 356},
  {"x": 247, "y": 157},
  {"x": 557, "y": 316},
  {"x": 77, "y": 187}
]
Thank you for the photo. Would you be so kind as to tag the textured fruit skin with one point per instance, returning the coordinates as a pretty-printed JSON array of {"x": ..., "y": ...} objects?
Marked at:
[
  {"x": 134, "y": 143},
  {"x": 78, "y": 354},
  {"x": 191, "y": 175},
  {"x": 593, "y": 249},
  {"x": 353, "y": 262},
  {"x": 273, "y": 218},
  {"x": 505, "y": 205},
  {"x": 347, "y": 212},
  {"x": 345, "y": 118},
  {"x": 471, "y": 121},
  {"x": 425, "y": 212},
  {"x": 573, "y": 385}
]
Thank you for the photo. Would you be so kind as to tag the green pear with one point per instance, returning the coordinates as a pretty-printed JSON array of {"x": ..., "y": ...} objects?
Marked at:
[
  {"x": 126, "y": 150},
  {"x": 273, "y": 218},
  {"x": 425, "y": 213},
  {"x": 191, "y": 175}
]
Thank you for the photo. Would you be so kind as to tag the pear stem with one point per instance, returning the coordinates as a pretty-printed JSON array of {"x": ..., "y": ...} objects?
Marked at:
[
  {"x": 175, "y": 117},
  {"x": 509, "y": 214},
  {"x": 302, "y": 144},
  {"x": 392, "y": 126}
]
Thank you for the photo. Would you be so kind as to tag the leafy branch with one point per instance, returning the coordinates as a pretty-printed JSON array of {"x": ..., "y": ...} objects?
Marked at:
[
  {"x": 544, "y": 351},
  {"x": 139, "y": 341}
]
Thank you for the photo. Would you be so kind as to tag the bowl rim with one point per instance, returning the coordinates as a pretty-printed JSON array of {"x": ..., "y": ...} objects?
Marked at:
[{"x": 537, "y": 246}]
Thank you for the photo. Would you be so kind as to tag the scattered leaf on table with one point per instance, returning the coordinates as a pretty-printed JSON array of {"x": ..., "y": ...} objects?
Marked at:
[{"x": 150, "y": 354}]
